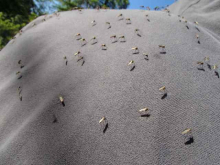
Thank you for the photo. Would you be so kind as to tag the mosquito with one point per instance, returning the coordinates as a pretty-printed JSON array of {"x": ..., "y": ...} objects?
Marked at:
[
  {"x": 77, "y": 53},
  {"x": 80, "y": 58},
  {"x": 120, "y": 17},
  {"x": 83, "y": 42},
  {"x": 108, "y": 25},
  {"x": 188, "y": 136},
  {"x": 197, "y": 36},
  {"x": 93, "y": 23},
  {"x": 162, "y": 48},
  {"x": 80, "y": 11},
  {"x": 62, "y": 100},
  {"x": 65, "y": 58},
  {"x": 78, "y": 36},
  {"x": 137, "y": 31},
  {"x": 186, "y": 131},
  {"x": 200, "y": 65},
  {"x": 114, "y": 39},
  {"x": 215, "y": 67},
  {"x": 128, "y": 21},
  {"x": 207, "y": 61},
  {"x": 144, "y": 112},
  {"x": 122, "y": 39},
  {"x": 94, "y": 40},
  {"x": 135, "y": 50},
  {"x": 104, "y": 124},
  {"x": 163, "y": 89},
  {"x": 146, "y": 56},
  {"x": 131, "y": 65},
  {"x": 147, "y": 17},
  {"x": 142, "y": 7},
  {"x": 104, "y": 47}
]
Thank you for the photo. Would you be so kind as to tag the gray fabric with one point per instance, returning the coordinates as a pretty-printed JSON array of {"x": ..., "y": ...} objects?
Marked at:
[
  {"x": 206, "y": 12},
  {"x": 105, "y": 86}
]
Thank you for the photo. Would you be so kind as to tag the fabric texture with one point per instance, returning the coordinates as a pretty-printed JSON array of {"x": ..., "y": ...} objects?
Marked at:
[{"x": 39, "y": 130}]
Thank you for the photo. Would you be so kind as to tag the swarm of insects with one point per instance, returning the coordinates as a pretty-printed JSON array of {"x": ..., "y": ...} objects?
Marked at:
[
  {"x": 104, "y": 47},
  {"x": 135, "y": 50},
  {"x": 128, "y": 21},
  {"x": 122, "y": 39}
]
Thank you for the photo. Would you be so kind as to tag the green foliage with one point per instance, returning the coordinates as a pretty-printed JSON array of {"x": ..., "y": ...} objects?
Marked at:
[
  {"x": 15, "y": 14},
  {"x": 11, "y": 8},
  {"x": 65, "y": 5},
  {"x": 113, "y": 4},
  {"x": 10, "y": 26}
]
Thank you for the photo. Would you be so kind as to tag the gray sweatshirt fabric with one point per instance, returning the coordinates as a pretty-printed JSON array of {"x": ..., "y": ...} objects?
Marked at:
[{"x": 36, "y": 128}]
